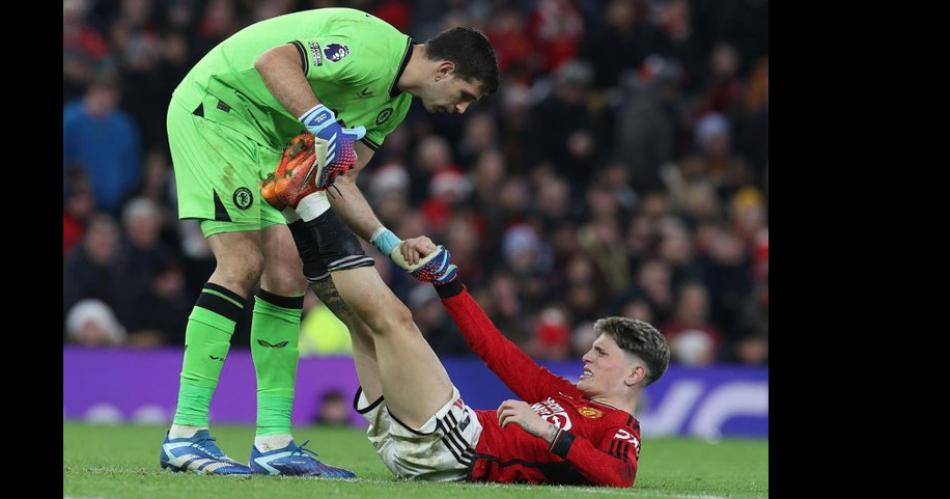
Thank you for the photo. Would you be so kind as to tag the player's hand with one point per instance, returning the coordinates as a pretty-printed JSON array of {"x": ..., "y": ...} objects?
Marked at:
[
  {"x": 416, "y": 248},
  {"x": 334, "y": 145},
  {"x": 435, "y": 264},
  {"x": 520, "y": 413}
]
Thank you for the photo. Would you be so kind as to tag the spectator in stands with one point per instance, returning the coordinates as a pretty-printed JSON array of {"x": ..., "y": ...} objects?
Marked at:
[
  {"x": 103, "y": 141},
  {"x": 158, "y": 312},
  {"x": 78, "y": 208},
  {"x": 143, "y": 253},
  {"x": 91, "y": 268},
  {"x": 693, "y": 340},
  {"x": 90, "y": 322},
  {"x": 334, "y": 409},
  {"x": 624, "y": 157}
]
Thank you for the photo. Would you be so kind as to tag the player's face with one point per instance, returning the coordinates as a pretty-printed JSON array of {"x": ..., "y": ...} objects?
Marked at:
[
  {"x": 605, "y": 368},
  {"x": 451, "y": 94}
]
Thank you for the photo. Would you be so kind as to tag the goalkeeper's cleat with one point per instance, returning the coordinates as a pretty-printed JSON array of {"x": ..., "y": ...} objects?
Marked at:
[
  {"x": 294, "y": 460},
  {"x": 198, "y": 454}
]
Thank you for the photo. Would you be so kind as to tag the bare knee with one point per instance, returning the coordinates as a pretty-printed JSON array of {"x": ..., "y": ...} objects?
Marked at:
[
  {"x": 284, "y": 277},
  {"x": 243, "y": 272},
  {"x": 390, "y": 318},
  {"x": 240, "y": 264},
  {"x": 372, "y": 301},
  {"x": 283, "y": 270}
]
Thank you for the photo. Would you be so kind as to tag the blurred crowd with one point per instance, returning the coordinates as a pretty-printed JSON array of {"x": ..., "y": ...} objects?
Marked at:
[{"x": 621, "y": 169}]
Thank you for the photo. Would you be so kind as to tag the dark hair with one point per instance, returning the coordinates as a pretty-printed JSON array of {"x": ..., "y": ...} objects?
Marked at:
[
  {"x": 470, "y": 51},
  {"x": 638, "y": 338}
]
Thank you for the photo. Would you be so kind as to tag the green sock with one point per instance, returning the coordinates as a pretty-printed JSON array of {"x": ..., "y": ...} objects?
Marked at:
[
  {"x": 207, "y": 340},
  {"x": 274, "y": 332}
]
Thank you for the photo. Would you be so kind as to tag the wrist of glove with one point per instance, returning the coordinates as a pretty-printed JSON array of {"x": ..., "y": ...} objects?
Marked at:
[
  {"x": 385, "y": 240},
  {"x": 320, "y": 119},
  {"x": 436, "y": 267}
]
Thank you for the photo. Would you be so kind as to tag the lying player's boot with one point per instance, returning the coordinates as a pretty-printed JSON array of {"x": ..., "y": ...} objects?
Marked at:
[
  {"x": 294, "y": 461},
  {"x": 292, "y": 180},
  {"x": 198, "y": 454}
]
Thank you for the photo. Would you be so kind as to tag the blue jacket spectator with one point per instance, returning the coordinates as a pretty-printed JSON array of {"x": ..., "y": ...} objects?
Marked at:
[{"x": 103, "y": 141}]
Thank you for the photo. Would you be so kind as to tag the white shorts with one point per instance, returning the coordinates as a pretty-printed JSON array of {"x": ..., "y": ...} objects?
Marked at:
[{"x": 441, "y": 451}]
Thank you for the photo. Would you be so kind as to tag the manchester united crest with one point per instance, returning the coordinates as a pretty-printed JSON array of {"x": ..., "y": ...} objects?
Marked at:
[{"x": 590, "y": 412}]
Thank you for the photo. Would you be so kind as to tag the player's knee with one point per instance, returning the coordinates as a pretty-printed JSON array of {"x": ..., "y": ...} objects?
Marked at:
[
  {"x": 390, "y": 319},
  {"x": 284, "y": 277},
  {"x": 243, "y": 269}
]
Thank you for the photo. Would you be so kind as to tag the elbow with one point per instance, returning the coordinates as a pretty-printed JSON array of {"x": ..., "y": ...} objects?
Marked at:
[
  {"x": 268, "y": 59},
  {"x": 624, "y": 478},
  {"x": 627, "y": 477},
  {"x": 262, "y": 62}
]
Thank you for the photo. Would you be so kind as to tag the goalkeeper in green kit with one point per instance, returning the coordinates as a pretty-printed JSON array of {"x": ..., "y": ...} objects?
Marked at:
[{"x": 332, "y": 83}]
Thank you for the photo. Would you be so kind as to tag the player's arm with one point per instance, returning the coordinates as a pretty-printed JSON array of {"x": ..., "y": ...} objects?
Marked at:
[
  {"x": 281, "y": 68},
  {"x": 515, "y": 368},
  {"x": 613, "y": 463},
  {"x": 351, "y": 206},
  {"x": 349, "y": 203}
]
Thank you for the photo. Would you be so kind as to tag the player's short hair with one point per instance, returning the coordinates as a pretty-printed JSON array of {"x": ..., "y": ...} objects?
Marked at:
[
  {"x": 638, "y": 338},
  {"x": 470, "y": 51}
]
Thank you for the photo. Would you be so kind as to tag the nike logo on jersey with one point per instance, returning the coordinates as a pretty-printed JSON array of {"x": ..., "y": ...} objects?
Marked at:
[{"x": 365, "y": 93}]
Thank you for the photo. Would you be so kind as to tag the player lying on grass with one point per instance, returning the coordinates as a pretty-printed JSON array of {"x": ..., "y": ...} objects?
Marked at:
[{"x": 560, "y": 433}]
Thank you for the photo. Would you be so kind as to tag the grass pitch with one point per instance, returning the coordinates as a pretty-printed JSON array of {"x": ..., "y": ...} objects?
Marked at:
[{"x": 122, "y": 462}]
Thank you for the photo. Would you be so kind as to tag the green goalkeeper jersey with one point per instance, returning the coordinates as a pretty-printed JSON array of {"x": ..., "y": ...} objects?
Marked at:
[{"x": 351, "y": 59}]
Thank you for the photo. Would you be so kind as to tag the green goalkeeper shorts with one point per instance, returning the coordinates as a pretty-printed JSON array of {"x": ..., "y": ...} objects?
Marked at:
[{"x": 218, "y": 172}]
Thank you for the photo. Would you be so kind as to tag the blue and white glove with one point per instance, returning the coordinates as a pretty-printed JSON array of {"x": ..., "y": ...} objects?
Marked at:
[
  {"x": 436, "y": 267},
  {"x": 334, "y": 144}
]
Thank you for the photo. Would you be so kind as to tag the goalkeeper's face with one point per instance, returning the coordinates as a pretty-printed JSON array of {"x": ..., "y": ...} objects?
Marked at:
[
  {"x": 448, "y": 93},
  {"x": 608, "y": 370}
]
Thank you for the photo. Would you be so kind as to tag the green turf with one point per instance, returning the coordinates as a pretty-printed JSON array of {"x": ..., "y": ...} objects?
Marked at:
[{"x": 122, "y": 461}]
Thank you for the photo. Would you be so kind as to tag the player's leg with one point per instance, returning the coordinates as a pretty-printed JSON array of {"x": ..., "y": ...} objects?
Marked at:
[
  {"x": 412, "y": 379},
  {"x": 274, "y": 347},
  {"x": 207, "y": 191},
  {"x": 208, "y": 338},
  {"x": 414, "y": 382},
  {"x": 316, "y": 273},
  {"x": 274, "y": 334},
  {"x": 369, "y": 403},
  {"x": 341, "y": 249},
  {"x": 364, "y": 348},
  {"x": 426, "y": 431}
]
